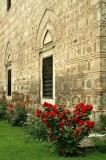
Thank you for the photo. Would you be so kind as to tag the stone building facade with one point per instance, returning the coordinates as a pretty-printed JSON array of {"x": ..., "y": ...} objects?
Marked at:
[{"x": 66, "y": 36}]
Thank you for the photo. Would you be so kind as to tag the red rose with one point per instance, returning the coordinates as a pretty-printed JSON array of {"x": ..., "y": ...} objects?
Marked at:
[
  {"x": 84, "y": 109},
  {"x": 92, "y": 123},
  {"x": 38, "y": 113},
  {"x": 52, "y": 114},
  {"x": 44, "y": 120},
  {"x": 65, "y": 119},
  {"x": 76, "y": 135},
  {"x": 80, "y": 104},
  {"x": 61, "y": 115},
  {"x": 62, "y": 150},
  {"x": 81, "y": 122},
  {"x": 45, "y": 104},
  {"x": 55, "y": 109},
  {"x": 83, "y": 114},
  {"x": 77, "y": 113},
  {"x": 52, "y": 129},
  {"x": 89, "y": 123},
  {"x": 48, "y": 125},
  {"x": 62, "y": 132},
  {"x": 47, "y": 114},
  {"x": 74, "y": 111},
  {"x": 54, "y": 138},
  {"x": 88, "y": 107},
  {"x": 43, "y": 114},
  {"x": 23, "y": 104},
  {"x": 50, "y": 106},
  {"x": 76, "y": 119},
  {"x": 68, "y": 111},
  {"x": 11, "y": 108},
  {"x": 78, "y": 130},
  {"x": 10, "y": 105},
  {"x": 62, "y": 123}
]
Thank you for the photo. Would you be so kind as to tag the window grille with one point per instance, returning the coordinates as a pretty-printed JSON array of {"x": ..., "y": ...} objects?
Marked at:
[
  {"x": 9, "y": 83},
  {"x": 48, "y": 77}
]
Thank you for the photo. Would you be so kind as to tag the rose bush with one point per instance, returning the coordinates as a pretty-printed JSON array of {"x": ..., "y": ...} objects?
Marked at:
[
  {"x": 20, "y": 114},
  {"x": 66, "y": 129},
  {"x": 3, "y": 109},
  {"x": 36, "y": 129},
  {"x": 17, "y": 113},
  {"x": 10, "y": 111}
]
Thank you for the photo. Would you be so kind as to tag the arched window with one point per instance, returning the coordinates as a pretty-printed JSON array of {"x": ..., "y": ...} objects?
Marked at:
[
  {"x": 8, "y": 4},
  {"x": 8, "y": 65},
  {"x": 9, "y": 81},
  {"x": 48, "y": 77}
]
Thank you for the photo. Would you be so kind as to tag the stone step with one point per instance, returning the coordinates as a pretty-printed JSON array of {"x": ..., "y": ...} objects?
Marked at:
[{"x": 89, "y": 141}]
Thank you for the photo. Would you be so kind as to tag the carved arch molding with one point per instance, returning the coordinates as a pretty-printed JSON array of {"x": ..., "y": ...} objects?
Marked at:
[
  {"x": 47, "y": 25},
  {"x": 8, "y": 54}
]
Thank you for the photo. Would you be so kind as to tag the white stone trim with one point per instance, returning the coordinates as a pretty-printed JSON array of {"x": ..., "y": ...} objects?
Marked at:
[{"x": 44, "y": 55}]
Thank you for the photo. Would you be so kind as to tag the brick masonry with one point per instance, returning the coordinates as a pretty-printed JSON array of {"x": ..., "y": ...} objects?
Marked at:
[{"x": 78, "y": 31}]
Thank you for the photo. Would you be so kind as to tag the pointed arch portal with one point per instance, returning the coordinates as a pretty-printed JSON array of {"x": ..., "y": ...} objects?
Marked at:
[{"x": 46, "y": 47}]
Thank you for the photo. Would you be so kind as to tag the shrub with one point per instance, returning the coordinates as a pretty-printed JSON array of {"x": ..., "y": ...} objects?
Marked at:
[
  {"x": 101, "y": 125},
  {"x": 3, "y": 109},
  {"x": 65, "y": 129},
  {"x": 10, "y": 111},
  {"x": 36, "y": 129},
  {"x": 100, "y": 144},
  {"x": 17, "y": 114}
]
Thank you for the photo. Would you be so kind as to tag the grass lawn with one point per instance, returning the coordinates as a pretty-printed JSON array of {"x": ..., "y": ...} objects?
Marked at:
[{"x": 14, "y": 145}]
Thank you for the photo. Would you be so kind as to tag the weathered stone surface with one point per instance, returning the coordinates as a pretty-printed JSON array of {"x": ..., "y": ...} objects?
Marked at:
[{"x": 76, "y": 32}]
